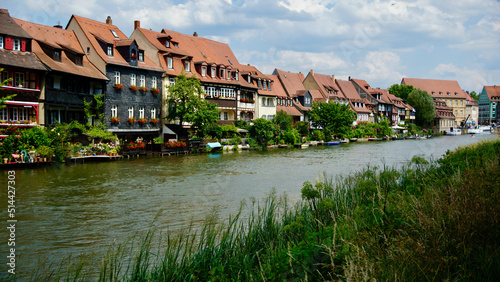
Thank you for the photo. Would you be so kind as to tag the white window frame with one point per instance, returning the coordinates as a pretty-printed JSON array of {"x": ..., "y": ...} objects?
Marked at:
[
  {"x": 153, "y": 112},
  {"x": 130, "y": 111},
  {"x": 4, "y": 114},
  {"x": 172, "y": 81},
  {"x": 18, "y": 78},
  {"x": 154, "y": 82},
  {"x": 14, "y": 114},
  {"x": 167, "y": 44},
  {"x": 1, "y": 42},
  {"x": 23, "y": 114},
  {"x": 133, "y": 79},
  {"x": 114, "y": 111},
  {"x": 141, "y": 112},
  {"x": 203, "y": 71},
  {"x": 170, "y": 63},
  {"x": 187, "y": 66},
  {"x": 213, "y": 72},
  {"x": 109, "y": 51},
  {"x": 16, "y": 45},
  {"x": 142, "y": 80},
  {"x": 226, "y": 116},
  {"x": 117, "y": 77},
  {"x": 269, "y": 86},
  {"x": 141, "y": 56}
]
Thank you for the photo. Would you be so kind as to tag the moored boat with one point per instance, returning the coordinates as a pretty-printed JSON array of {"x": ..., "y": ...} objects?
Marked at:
[
  {"x": 331, "y": 143},
  {"x": 454, "y": 131}
]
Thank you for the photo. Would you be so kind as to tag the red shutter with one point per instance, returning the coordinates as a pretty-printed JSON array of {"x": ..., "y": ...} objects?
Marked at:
[
  {"x": 23, "y": 45},
  {"x": 9, "y": 43}
]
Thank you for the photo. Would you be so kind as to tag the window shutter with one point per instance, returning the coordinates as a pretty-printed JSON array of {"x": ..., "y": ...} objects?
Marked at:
[
  {"x": 23, "y": 45},
  {"x": 9, "y": 43}
]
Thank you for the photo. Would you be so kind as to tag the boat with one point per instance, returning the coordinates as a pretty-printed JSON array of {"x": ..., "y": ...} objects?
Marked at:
[
  {"x": 353, "y": 139},
  {"x": 454, "y": 131},
  {"x": 344, "y": 141},
  {"x": 214, "y": 146},
  {"x": 475, "y": 131},
  {"x": 331, "y": 143},
  {"x": 313, "y": 143},
  {"x": 304, "y": 146},
  {"x": 485, "y": 127},
  {"x": 375, "y": 139},
  {"x": 398, "y": 138},
  {"x": 411, "y": 137}
]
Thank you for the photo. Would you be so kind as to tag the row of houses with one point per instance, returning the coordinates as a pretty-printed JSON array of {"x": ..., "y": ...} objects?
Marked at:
[{"x": 54, "y": 70}]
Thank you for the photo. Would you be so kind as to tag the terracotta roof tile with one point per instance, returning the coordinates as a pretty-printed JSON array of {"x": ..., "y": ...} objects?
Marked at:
[
  {"x": 20, "y": 59},
  {"x": 9, "y": 27},
  {"x": 449, "y": 89},
  {"x": 292, "y": 82},
  {"x": 293, "y": 111},
  {"x": 493, "y": 92}
]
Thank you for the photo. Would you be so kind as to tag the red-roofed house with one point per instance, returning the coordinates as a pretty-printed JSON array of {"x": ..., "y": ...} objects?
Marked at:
[
  {"x": 326, "y": 85},
  {"x": 489, "y": 105},
  {"x": 132, "y": 97},
  {"x": 294, "y": 89},
  {"x": 26, "y": 72},
  {"x": 448, "y": 91},
  {"x": 71, "y": 80},
  {"x": 356, "y": 103},
  {"x": 444, "y": 119},
  {"x": 383, "y": 106}
]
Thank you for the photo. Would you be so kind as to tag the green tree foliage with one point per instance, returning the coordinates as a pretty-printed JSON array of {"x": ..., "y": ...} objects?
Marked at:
[
  {"x": 283, "y": 120},
  {"x": 263, "y": 131},
  {"x": 474, "y": 95},
  {"x": 94, "y": 108},
  {"x": 424, "y": 106},
  {"x": 6, "y": 98},
  {"x": 401, "y": 91},
  {"x": 185, "y": 103},
  {"x": 332, "y": 117},
  {"x": 302, "y": 127}
]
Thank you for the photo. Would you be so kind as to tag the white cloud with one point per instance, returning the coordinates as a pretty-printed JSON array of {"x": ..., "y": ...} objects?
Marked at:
[
  {"x": 469, "y": 79},
  {"x": 381, "y": 67}
]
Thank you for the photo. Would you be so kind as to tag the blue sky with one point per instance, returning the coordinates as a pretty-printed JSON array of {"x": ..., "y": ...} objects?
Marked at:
[{"x": 378, "y": 41}]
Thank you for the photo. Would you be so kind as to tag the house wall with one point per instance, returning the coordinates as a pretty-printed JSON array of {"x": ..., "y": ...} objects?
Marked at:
[
  {"x": 266, "y": 107},
  {"x": 86, "y": 45}
]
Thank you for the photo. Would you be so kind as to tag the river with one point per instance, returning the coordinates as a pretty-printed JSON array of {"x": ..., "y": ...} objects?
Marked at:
[{"x": 74, "y": 209}]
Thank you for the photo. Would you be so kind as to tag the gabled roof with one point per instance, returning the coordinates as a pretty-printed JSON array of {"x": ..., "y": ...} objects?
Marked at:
[
  {"x": 59, "y": 39},
  {"x": 277, "y": 88},
  {"x": 292, "y": 82},
  {"x": 110, "y": 34},
  {"x": 20, "y": 59},
  {"x": 493, "y": 92},
  {"x": 316, "y": 96},
  {"x": 293, "y": 111},
  {"x": 327, "y": 85},
  {"x": 9, "y": 27},
  {"x": 449, "y": 89},
  {"x": 348, "y": 90},
  {"x": 470, "y": 100}
]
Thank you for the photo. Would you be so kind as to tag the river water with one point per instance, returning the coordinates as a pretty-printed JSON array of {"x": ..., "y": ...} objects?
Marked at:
[{"x": 75, "y": 209}]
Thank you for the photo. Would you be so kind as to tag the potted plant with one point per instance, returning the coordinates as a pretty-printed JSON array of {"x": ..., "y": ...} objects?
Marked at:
[
  {"x": 45, "y": 152},
  {"x": 131, "y": 120},
  {"x": 118, "y": 86},
  {"x": 155, "y": 90},
  {"x": 154, "y": 120},
  {"x": 143, "y": 121},
  {"x": 133, "y": 88},
  {"x": 115, "y": 120},
  {"x": 143, "y": 89}
]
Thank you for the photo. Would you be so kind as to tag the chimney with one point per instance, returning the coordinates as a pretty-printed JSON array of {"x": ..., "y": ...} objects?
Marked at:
[
  {"x": 108, "y": 20},
  {"x": 195, "y": 34},
  {"x": 333, "y": 78},
  {"x": 349, "y": 78},
  {"x": 312, "y": 72},
  {"x": 137, "y": 24}
]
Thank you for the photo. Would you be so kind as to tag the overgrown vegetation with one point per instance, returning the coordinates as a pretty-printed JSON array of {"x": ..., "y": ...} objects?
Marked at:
[{"x": 426, "y": 221}]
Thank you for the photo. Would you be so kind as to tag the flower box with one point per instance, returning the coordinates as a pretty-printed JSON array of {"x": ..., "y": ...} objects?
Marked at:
[
  {"x": 155, "y": 90},
  {"x": 118, "y": 86},
  {"x": 131, "y": 120},
  {"x": 154, "y": 120},
  {"x": 133, "y": 88},
  {"x": 143, "y": 89},
  {"x": 143, "y": 121},
  {"x": 115, "y": 120}
]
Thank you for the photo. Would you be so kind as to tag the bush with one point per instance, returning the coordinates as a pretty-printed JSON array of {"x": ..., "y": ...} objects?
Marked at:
[
  {"x": 318, "y": 135},
  {"x": 291, "y": 136}
]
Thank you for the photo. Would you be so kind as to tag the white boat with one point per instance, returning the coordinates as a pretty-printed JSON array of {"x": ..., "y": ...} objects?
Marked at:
[
  {"x": 475, "y": 131},
  {"x": 485, "y": 128},
  {"x": 454, "y": 131}
]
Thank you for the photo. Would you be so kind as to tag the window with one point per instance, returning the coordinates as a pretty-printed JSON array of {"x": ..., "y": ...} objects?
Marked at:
[
  {"x": 259, "y": 83},
  {"x": 133, "y": 80},
  {"x": 448, "y": 93},
  {"x": 265, "y": 85},
  {"x": 3, "y": 114},
  {"x": 57, "y": 55},
  {"x": 329, "y": 92},
  {"x": 441, "y": 93},
  {"x": 1, "y": 42},
  {"x": 236, "y": 76},
  {"x": 203, "y": 71},
  {"x": 114, "y": 111},
  {"x": 263, "y": 102},
  {"x": 117, "y": 77},
  {"x": 110, "y": 51},
  {"x": 13, "y": 114},
  {"x": 154, "y": 83},
  {"x": 142, "y": 81},
  {"x": 187, "y": 66},
  {"x": 170, "y": 63},
  {"x": 141, "y": 56},
  {"x": 249, "y": 79},
  {"x": 19, "y": 79},
  {"x": 153, "y": 112},
  {"x": 114, "y": 33},
  {"x": 456, "y": 112},
  {"x": 172, "y": 81},
  {"x": 461, "y": 102},
  {"x": 17, "y": 45},
  {"x": 269, "y": 85},
  {"x": 23, "y": 113},
  {"x": 221, "y": 74},
  {"x": 461, "y": 112},
  {"x": 79, "y": 60},
  {"x": 130, "y": 112},
  {"x": 141, "y": 112},
  {"x": 213, "y": 72},
  {"x": 167, "y": 44},
  {"x": 226, "y": 116},
  {"x": 456, "y": 103}
]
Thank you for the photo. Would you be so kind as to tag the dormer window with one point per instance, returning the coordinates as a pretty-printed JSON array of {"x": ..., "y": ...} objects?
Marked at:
[
  {"x": 249, "y": 79},
  {"x": 167, "y": 44},
  {"x": 141, "y": 56},
  {"x": 176, "y": 45},
  {"x": 133, "y": 55},
  {"x": 222, "y": 74},
  {"x": 269, "y": 85},
  {"x": 265, "y": 85},
  {"x": 213, "y": 72},
  {"x": 78, "y": 60},
  {"x": 17, "y": 45},
  {"x": 448, "y": 93},
  {"x": 259, "y": 83},
  {"x": 57, "y": 55},
  {"x": 1, "y": 42},
  {"x": 110, "y": 50},
  {"x": 237, "y": 76},
  {"x": 329, "y": 92},
  {"x": 203, "y": 71},
  {"x": 441, "y": 93},
  {"x": 335, "y": 92},
  {"x": 114, "y": 34},
  {"x": 456, "y": 94},
  {"x": 187, "y": 66}
]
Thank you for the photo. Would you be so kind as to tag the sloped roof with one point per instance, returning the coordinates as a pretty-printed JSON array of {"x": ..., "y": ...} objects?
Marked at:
[
  {"x": 293, "y": 111},
  {"x": 95, "y": 31},
  {"x": 59, "y": 39},
  {"x": 348, "y": 90},
  {"x": 493, "y": 92},
  {"x": 20, "y": 59},
  {"x": 277, "y": 88},
  {"x": 9, "y": 27},
  {"x": 292, "y": 82},
  {"x": 442, "y": 110},
  {"x": 317, "y": 96},
  {"x": 437, "y": 88}
]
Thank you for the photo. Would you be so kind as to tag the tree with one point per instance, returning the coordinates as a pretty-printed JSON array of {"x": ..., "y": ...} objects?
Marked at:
[
  {"x": 424, "y": 106},
  {"x": 94, "y": 106},
  {"x": 401, "y": 91},
  {"x": 332, "y": 117},
  {"x": 204, "y": 117},
  {"x": 263, "y": 131},
  {"x": 283, "y": 120},
  {"x": 474, "y": 95},
  {"x": 6, "y": 98}
]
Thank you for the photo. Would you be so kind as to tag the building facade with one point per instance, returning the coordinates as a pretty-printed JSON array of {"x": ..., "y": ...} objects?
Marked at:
[{"x": 489, "y": 102}]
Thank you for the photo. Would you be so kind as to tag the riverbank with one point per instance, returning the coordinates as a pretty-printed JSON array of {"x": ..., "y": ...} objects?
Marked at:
[{"x": 359, "y": 227}]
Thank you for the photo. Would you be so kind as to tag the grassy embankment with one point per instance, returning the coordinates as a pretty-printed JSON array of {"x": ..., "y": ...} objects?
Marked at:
[{"x": 427, "y": 221}]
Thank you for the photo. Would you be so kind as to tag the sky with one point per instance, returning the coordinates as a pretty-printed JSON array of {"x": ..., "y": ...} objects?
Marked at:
[{"x": 378, "y": 41}]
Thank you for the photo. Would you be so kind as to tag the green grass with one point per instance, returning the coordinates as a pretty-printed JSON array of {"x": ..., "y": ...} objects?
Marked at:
[{"x": 426, "y": 221}]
